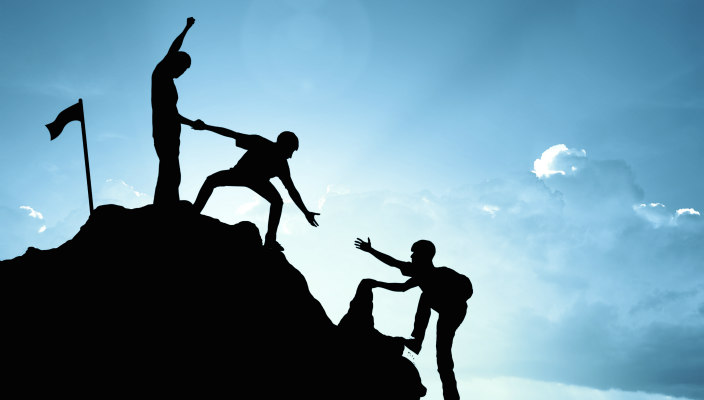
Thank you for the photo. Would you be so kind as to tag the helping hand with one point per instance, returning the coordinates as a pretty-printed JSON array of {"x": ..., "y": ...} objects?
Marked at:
[
  {"x": 362, "y": 245},
  {"x": 198, "y": 125},
  {"x": 310, "y": 216}
]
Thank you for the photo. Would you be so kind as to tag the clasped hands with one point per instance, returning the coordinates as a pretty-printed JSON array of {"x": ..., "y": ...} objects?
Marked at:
[{"x": 198, "y": 125}]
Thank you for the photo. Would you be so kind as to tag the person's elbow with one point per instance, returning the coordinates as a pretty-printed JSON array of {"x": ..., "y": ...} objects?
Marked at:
[{"x": 291, "y": 189}]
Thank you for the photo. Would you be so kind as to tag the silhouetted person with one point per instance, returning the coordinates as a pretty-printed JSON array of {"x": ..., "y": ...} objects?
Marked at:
[
  {"x": 166, "y": 120},
  {"x": 378, "y": 359},
  {"x": 263, "y": 160},
  {"x": 443, "y": 290}
]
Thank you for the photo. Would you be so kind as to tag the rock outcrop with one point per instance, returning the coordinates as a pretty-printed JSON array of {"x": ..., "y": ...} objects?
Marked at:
[{"x": 169, "y": 302}]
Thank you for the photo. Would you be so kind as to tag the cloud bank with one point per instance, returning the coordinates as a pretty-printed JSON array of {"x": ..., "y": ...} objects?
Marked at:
[{"x": 577, "y": 279}]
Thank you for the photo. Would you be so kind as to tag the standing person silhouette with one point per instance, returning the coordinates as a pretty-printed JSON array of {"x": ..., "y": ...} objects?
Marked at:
[
  {"x": 263, "y": 160},
  {"x": 443, "y": 290},
  {"x": 166, "y": 120}
]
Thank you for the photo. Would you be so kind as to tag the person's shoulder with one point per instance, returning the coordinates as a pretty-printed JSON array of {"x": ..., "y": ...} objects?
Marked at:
[
  {"x": 407, "y": 268},
  {"x": 446, "y": 269},
  {"x": 159, "y": 73},
  {"x": 253, "y": 142},
  {"x": 449, "y": 273},
  {"x": 262, "y": 141}
]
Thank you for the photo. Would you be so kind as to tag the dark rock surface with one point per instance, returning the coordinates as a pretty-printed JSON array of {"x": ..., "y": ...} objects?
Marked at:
[{"x": 169, "y": 302}]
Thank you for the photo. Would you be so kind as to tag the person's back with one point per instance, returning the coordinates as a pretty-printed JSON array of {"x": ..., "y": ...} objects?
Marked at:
[
  {"x": 262, "y": 161},
  {"x": 445, "y": 288},
  {"x": 165, "y": 116}
]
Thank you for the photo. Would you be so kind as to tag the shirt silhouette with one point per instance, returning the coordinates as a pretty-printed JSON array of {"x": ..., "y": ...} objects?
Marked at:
[
  {"x": 443, "y": 290},
  {"x": 263, "y": 160},
  {"x": 166, "y": 120}
]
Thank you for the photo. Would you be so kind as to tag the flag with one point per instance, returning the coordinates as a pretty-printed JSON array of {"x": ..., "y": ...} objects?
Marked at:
[{"x": 73, "y": 113}]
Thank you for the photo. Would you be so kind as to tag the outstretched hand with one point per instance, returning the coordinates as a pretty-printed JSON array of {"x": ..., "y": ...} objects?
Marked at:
[
  {"x": 362, "y": 245},
  {"x": 190, "y": 21},
  {"x": 198, "y": 125},
  {"x": 310, "y": 216}
]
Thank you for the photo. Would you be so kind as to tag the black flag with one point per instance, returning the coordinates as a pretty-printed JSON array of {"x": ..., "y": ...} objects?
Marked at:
[{"x": 73, "y": 113}]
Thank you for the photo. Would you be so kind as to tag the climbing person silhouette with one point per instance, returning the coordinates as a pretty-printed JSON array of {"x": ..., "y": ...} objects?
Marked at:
[
  {"x": 443, "y": 290},
  {"x": 166, "y": 120},
  {"x": 262, "y": 161}
]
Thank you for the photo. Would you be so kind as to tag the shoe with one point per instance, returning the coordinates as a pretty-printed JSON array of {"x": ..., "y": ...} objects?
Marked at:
[{"x": 273, "y": 245}]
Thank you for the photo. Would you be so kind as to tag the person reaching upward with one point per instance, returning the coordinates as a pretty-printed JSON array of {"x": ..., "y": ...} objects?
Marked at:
[
  {"x": 443, "y": 290},
  {"x": 166, "y": 120}
]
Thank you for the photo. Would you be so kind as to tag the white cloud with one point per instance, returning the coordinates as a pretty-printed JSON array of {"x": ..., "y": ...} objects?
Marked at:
[
  {"x": 117, "y": 191},
  {"x": 557, "y": 271},
  {"x": 490, "y": 209},
  {"x": 23, "y": 227},
  {"x": 595, "y": 191},
  {"x": 655, "y": 213},
  {"x": 32, "y": 212},
  {"x": 600, "y": 192},
  {"x": 689, "y": 211},
  {"x": 558, "y": 159},
  {"x": 658, "y": 214}
]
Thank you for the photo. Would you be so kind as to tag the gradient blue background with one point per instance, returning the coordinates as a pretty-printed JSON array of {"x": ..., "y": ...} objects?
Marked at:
[{"x": 416, "y": 120}]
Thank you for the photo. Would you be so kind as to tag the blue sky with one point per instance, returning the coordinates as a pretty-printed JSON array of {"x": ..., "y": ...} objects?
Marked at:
[{"x": 550, "y": 149}]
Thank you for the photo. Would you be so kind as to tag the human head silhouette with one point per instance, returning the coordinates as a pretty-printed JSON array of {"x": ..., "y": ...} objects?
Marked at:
[
  {"x": 180, "y": 62},
  {"x": 287, "y": 142},
  {"x": 423, "y": 252}
]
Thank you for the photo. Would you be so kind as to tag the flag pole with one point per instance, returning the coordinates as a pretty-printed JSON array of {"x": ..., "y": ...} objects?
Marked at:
[{"x": 85, "y": 156}]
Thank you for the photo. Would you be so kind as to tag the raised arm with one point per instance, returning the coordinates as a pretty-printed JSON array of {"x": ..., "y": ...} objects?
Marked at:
[
  {"x": 176, "y": 45},
  {"x": 385, "y": 258},
  {"x": 296, "y": 197}
]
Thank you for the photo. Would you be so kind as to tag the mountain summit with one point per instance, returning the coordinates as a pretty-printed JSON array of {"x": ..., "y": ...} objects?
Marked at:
[{"x": 150, "y": 301}]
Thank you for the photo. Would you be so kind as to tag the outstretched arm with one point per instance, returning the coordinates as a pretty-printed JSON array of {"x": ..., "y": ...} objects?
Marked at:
[
  {"x": 385, "y": 258},
  {"x": 176, "y": 45},
  {"x": 186, "y": 121},
  {"x": 200, "y": 125},
  {"x": 296, "y": 197},
  {"x": 394, "y": 287}
]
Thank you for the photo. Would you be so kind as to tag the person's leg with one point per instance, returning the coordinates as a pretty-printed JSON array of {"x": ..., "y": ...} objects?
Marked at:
[
  {"x": 176, "y": 180},
  {"x": 446, "y": 328},
  {"x": 160, "y": 196},
  {"x": 221, "y": 178},
  {"x": 420, "y": 324},
  {"x": 169, "y": 178},
  {"x": 267, "y": 190}
]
